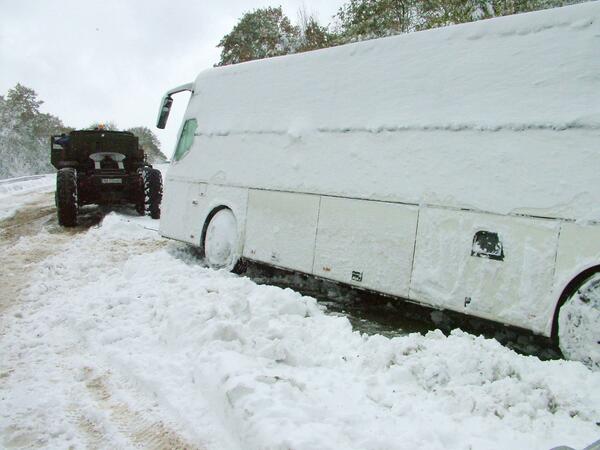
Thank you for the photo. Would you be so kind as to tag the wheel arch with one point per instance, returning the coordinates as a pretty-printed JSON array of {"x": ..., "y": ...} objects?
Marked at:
[
  {"x": 567, "y": 291},
  {"x": 207, "y": 220}
]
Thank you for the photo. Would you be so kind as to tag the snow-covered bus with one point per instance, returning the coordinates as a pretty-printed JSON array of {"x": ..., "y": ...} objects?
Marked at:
[{"x": 458, "y": 168}]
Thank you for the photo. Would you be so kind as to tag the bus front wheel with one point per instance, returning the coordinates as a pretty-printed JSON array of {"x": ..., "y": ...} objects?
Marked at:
[
  {"x": 578, "y": 319},
  {"x": 221, "y": 240}
]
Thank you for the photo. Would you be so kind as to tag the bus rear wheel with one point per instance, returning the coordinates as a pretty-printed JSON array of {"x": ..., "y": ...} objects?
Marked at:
[
  {"x": 221, "y": 241},
  {"x": 578, "y": 319}
]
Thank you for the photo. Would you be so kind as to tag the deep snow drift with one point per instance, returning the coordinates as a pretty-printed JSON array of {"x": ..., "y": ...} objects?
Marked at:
[{"x": 121, "y": 339}]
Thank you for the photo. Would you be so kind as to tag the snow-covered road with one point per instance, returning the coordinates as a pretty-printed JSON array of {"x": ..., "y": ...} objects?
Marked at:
[{"x": 112, "y": 337}]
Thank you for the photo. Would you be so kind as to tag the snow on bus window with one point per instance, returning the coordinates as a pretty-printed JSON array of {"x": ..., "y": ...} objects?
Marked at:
[{"x": 185, "y": 139}]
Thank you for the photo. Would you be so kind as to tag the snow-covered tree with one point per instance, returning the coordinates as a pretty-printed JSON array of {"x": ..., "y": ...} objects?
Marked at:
[
  {"x": 261, "y": 33},
  {"x": 25, "y": 133},
  {"x": 366, "y": 19},
  {"x": 150, "y": 143},
  {"x": 507, "y": 7},
  {"x": 312, "y": 35},
  {"x": 436, "y": 13}
]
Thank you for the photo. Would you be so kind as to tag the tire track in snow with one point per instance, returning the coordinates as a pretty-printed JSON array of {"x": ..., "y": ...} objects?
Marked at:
[
  {"x": 139, "y": 426},
  {"x": 27, "y": 238},
  {"x": 28, "y": 220},
  {"x": 21, "y": 246},
  {"x": 31, "y": 235}
]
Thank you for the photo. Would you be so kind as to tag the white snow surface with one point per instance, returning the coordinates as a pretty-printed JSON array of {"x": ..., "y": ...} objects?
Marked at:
[
  {"x": 120, "y": 320},
  {"x": 15, "y": 192}
]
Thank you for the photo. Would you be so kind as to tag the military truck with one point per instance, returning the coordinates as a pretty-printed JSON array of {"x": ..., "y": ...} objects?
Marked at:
[{"x": 104, "y": 168}]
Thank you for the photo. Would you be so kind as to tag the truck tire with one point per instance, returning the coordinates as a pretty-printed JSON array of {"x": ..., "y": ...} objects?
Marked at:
[
  {"x": 140, "y": 205},
  {"x": 152, "y": 191},
  {"x": 66, "y": 197},
  {"x": 140, "y": 208}
]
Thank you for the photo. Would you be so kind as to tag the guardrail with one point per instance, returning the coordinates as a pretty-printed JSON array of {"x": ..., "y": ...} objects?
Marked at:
[{"x": 19, "y": 179}]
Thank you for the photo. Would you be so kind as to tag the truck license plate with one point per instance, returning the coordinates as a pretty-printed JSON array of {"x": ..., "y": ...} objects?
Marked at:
[{"x": 111, "y": 180}]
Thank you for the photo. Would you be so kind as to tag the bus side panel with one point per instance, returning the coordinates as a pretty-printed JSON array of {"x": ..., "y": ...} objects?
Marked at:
[
  {"x": 496, "y": 267},
  {"x": 281, "y": 229},
  {"x": 175, "y": 209},
  {"x": 365, "y": 243}
]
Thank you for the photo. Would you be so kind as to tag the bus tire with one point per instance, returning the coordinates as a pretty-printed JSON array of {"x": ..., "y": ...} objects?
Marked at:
[
  {"x": 66, "y": 197},
  {"x": 578, "y": 319},
  {"x": 221, "y": 240}
]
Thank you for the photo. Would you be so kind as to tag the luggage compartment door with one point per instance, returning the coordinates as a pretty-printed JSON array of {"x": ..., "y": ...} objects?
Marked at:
[
  {"x": 496, "y": 267},
  {"x": 281, "y": 229},
  {"x": 175, "y": 210},
  {"x": 366, "y": 243}
]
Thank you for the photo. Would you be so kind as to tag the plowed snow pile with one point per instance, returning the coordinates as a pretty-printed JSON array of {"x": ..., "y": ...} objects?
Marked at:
[{"x": 121, "y": 340}]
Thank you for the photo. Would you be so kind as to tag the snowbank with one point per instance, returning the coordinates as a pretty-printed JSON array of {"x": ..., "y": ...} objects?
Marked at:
[
  {"x": 23, "y": 185},
  {"x": 234, "y": 365},
  {"x": 14, "y": 192}
]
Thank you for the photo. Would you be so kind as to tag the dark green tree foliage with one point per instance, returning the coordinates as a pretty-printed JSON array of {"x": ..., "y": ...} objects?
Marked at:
[
  {"x": 507, "y": 7},
  {"x": 438, "y": 13},
  {"x": 312, "y": 35},
  {"x": 24, "y": 103},
  {"x": 262, "y": 33},
  {"x": 367, "y": 19}
]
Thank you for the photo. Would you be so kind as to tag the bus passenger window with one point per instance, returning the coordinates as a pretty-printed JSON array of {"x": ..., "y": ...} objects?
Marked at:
[
  {"x": 185, "y": 139},
  {"x": 487, "y": 245}
]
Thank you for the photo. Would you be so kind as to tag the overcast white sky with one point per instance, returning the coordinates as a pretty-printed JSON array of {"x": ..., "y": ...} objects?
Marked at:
[{"x": 99, "y": 61}]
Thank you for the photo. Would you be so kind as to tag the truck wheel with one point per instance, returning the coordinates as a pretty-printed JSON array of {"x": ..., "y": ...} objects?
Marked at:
[
  {"x": 66, "y": 197},
  {"x": 152, "y": 192},
  {"x": 578, "y": 319},
  {"x": 140, "y": 206},
  {"x": 220, "y": 241}
]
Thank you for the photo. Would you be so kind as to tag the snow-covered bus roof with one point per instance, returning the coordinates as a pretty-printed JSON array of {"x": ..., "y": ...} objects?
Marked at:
[
  {"x": 501, "y": 115},
  {"x": 536, "y": 70}
]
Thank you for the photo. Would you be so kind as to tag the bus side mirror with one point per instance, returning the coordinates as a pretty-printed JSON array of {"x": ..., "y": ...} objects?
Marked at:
[
  {"x": 167, "y": 101},
  {"x": 165, "y": 109}
]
